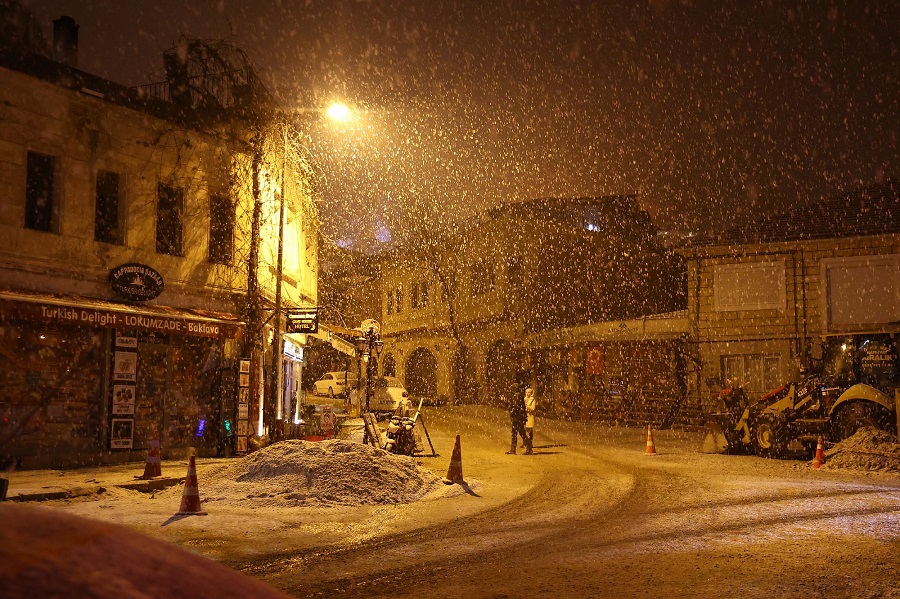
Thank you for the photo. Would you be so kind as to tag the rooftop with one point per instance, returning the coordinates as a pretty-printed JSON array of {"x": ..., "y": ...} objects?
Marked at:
[{"x": 865, "y": 211}]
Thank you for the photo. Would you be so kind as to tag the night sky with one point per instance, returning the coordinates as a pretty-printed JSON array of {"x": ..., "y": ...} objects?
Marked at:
[{"x": 707, "y": 110}]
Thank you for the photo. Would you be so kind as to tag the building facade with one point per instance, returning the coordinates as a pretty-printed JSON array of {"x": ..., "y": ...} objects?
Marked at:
[
  {"x": 126, "y": 249},
  {"x": 762, "y": 297},
  {"x": 457, "y": 309}
]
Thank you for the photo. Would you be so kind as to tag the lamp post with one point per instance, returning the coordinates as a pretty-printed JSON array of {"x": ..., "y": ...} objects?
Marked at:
[
  {"x": 284, "y": 138},
  {"x": 369, "y": 344}
]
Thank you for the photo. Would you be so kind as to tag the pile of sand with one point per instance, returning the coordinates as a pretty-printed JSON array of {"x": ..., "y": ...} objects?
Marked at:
[
  {"x": 327, "y": 473},
  {"x": 868, "y": 449}
]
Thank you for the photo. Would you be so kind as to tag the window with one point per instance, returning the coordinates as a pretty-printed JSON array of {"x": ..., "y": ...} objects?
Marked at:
[
  {"x": 758, "y": 286},
  {"x": 757, "y": 374},
  {"x": 482, "y": 277},
  {"x": 107, "y": 223},
  {"x": 423, "y": 289},
  {"x": 41, "y": 210},
  {"x": 414, "y": 296},
  {"x": 592, "y": 218},
  {"x": 169, "y": 225},
  {"x": 860, "y": 291},
  {"x": 221, "y": 229},
  {"x": 399, "y": 300},
  {"x": 390, "y": 302}
]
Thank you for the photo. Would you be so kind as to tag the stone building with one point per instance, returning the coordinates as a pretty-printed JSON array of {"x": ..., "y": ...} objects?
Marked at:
[
  {"x": 126, "y": 248},
  {"x": 762, "y": 296},
  {"x": 456, "y": 306}
]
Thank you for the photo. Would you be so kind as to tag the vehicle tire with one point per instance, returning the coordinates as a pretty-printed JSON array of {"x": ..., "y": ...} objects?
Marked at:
[
  {"x": 768, "y": 436},
  {"x": 331, "y": 392},
  {"x": 856, "y": 415}
]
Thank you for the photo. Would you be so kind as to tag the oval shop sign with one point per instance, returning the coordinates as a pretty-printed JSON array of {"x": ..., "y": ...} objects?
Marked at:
[{"x": 136, "y": 282}]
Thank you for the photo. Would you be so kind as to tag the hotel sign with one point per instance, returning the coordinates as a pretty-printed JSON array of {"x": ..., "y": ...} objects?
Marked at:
[
  {"x": 136, "y": 282},
  {"x": 303, "y": 321}
]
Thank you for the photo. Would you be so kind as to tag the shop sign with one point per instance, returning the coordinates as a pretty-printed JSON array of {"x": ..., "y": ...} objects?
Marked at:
[
  {"x": 128, "y": 341},
  {"x": 122, "y": 436},
  {"x": 370, "y": 327},
  {"x": 96, "y": 317},
  {"x": 292, "y": 350},
  {"x": 136, "y": 282},
  {"x": 303, "y": 321},
  {"x": 594, "y": 360},
  {"x": 125, "y": 366},
  {"x": 327, "y": 418},
  {"x": 123, "y": 400}
]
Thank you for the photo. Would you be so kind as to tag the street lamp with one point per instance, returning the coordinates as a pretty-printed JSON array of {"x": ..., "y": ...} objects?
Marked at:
[
  {"x": 339, "y": 113},
  {"x": 369, "y": 343},
  {"x": 289, "y": 131}
]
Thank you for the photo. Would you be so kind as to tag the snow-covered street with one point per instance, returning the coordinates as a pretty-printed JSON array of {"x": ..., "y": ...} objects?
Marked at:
[{"x": 590, "y": 514}]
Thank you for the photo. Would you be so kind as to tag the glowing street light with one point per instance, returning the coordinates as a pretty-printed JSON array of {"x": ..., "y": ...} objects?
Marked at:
[{"x": 339, "y": 113}]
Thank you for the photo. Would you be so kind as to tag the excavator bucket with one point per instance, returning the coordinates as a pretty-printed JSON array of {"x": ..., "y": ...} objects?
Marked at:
[
  {"x": 714, "y": 441},
  {"x": 722, "y": 424}
]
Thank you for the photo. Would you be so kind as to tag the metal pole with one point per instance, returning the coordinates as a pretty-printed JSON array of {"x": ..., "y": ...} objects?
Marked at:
[
  {"x": 251, "y": 345},
  {"x": 370, "y": 347},
  {"x": 274, "y": 395}
]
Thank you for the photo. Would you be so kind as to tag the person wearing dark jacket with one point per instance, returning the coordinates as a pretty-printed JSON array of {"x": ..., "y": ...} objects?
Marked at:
[{"x": 517, "y": 412}]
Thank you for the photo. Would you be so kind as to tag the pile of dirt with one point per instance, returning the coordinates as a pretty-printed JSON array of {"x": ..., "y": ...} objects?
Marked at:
[
  {"x": 322, "y": 474},
  {"x": 868, "y": 449}
]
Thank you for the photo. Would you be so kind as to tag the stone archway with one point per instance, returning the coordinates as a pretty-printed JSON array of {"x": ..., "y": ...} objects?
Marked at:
[
  {"x": 389, "y": 366},
  {"x": 421, "y": 374},
  {"x": 500, "y": 370}
]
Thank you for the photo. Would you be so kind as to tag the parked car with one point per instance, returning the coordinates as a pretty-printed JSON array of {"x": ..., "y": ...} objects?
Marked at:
[
  {"x": 334, "y": 384},
  {"x": 389, "y": 394}
]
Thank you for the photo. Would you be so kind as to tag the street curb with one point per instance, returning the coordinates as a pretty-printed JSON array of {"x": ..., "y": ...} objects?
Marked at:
[
  {"x": 62, "y": 494},
  {"x": 143, "y": 486}
]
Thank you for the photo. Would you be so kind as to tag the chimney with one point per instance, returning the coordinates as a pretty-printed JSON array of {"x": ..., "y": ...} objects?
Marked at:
[{"x": 65, "y": 41}]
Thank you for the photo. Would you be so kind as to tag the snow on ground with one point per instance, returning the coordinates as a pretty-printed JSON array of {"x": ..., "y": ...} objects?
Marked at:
[
  {"x": 869, "y": 449},
  {"x": 328, "y": 473}
]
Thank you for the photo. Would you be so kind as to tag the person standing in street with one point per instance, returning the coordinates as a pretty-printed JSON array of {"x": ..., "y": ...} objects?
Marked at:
[
  {"x": 518, "y": 417},
  {"x": 530, "y": 406},
  {"x": 517, "y": 412}
]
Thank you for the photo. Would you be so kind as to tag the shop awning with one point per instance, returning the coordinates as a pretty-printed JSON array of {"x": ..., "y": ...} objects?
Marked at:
[
  {"x": 84, "y": 311},
  {"x": 339, "y": 337},
  {"x": 657, "y": 327}
]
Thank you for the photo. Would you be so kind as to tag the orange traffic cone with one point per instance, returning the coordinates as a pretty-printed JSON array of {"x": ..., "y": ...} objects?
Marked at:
[
  {"x": 153, "y": 466},
  {"x": 190, "y": 499},
  {"x": 820, "y": 454},
  {"x": 651, "y": 447},
  {"x": 454, "y": 472}
]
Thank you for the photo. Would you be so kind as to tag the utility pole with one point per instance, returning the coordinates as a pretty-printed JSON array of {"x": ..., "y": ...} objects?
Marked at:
[
  {"x": 271, "y": 411},
  {"x": 252, "y": 343}
]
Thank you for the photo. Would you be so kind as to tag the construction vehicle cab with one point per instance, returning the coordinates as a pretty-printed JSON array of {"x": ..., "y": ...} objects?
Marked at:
[{"x": 855, "y": 383}]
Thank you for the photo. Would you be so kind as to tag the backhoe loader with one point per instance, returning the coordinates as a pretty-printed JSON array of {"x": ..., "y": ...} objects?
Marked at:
[{"x": 856, "y": 384}]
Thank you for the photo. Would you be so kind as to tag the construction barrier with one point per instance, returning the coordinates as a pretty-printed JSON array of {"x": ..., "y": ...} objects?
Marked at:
[
  {"x": 651, "y": 446},
  {"x": 820, "y": 454},
  {"x": 153, "y": 467},
  {"x": 190, "y": 498},
  {"x": 454, "y": 472}
]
